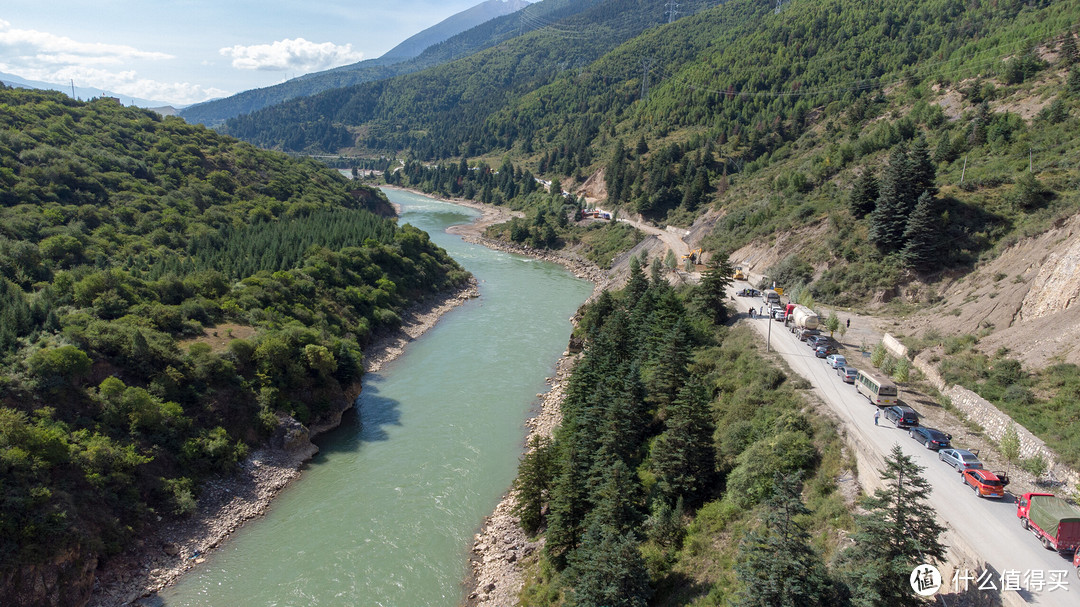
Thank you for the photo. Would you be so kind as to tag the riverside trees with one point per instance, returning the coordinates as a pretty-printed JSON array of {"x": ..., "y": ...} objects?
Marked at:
[
  {"x": 122, "y": 234},
  {"x": 675, "y": 433}
]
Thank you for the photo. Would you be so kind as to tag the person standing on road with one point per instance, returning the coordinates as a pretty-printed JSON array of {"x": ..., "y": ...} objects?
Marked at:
[
  {"x": 877, "y": 416},
  {"x": 849, "y": 323}
]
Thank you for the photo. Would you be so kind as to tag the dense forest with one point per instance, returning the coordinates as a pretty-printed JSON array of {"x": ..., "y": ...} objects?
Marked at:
[
  {"x": 676, "y": 432},
  {"x": 127, "y": 241}
]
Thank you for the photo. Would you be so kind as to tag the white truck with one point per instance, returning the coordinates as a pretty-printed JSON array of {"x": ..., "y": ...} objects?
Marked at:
[{"x": 803, "y": 318}]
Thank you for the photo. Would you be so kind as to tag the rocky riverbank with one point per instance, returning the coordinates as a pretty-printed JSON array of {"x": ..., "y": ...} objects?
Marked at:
[
  {"x": 175, "y": 547},
  {"x": 496, "y": 575}
]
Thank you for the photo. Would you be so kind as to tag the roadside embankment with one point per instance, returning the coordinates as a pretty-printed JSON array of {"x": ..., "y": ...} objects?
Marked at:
[{"x": 226, "y": 503}]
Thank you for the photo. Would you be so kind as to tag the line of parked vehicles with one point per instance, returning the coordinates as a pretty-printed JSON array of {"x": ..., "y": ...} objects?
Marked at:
[{"x": 1053, "y": 520}]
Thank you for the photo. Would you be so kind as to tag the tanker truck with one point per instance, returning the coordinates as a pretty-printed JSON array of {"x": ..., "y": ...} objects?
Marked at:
[{"x": 803, "y": 318}]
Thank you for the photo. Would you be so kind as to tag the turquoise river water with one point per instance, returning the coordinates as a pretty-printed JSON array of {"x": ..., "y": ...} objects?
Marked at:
[{"x": 385, "y": 514}]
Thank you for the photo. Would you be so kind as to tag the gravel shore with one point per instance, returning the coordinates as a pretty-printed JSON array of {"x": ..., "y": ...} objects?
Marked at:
[
  {"x": 175, "y": 547},
  {"x": 496, "y": 575}
]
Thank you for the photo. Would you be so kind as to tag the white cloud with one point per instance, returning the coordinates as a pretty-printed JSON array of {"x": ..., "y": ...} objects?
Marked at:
[
  {"x": 49, "y": 49},
  {"x": 56, "y": 59},
  {"x": 297, "y": 55}
]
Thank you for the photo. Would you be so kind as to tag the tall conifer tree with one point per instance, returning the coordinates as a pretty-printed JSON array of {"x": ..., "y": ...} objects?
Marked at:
[
  {"x": 864, "y": 195},
  {"x": 889, "y": 218},
  {"x": 712, "y": 292},
  {"x": 609, "y": 571},
  {"x": 683, "y": 457},
  {"x": 898, "y": 532},
  {"x": 922, "y": 236},
  {"x": 778, "y": 566}
]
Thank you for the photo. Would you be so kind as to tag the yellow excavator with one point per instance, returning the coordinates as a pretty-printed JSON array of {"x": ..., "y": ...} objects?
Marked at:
[
  {"x": 694, "y": 256},
  {"x": 738, "y": 275}
]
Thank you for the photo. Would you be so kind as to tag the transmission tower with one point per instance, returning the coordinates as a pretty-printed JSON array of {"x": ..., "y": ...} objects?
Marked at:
[
  {"x": 672, "y": 11},
  {"x": 646, "y": 66},
  {"x": 776, "y": 11}
]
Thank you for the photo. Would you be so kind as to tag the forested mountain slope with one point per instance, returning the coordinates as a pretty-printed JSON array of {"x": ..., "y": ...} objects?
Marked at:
[
  {"x": 440, "y": 112},
  {"x": 124, "y": 235},
  {"x": 395, "y": 62},
  {"x": 777, "y": 122}
]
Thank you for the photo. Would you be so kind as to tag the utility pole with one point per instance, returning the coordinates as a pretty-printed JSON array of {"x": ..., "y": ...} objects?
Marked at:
[
  {"x": 768, "y": 338},
  {"x": 72, "y": 88}
]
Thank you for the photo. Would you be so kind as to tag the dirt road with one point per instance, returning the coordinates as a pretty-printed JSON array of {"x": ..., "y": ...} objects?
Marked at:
[{"x": 673, "y": 240}]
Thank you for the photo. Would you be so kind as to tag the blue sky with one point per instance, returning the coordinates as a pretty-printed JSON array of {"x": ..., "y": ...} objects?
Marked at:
[{"x": 186, "y": 51}]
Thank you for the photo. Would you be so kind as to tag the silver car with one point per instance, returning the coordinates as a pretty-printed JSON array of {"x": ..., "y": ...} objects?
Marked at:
[
  {"x": 848, "y": 374},
  {"x": 961, "y": 459}
]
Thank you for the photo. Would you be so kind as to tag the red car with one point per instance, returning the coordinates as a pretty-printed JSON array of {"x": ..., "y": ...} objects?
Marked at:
[{"x": 986, "y": 483}]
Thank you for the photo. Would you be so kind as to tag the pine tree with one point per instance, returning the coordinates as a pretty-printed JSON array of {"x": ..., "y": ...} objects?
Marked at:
[
  {"x": 712, "y": 292},
  {"x": 1068, "y": 52},
  {"x": 922, "y": 237},
  {"x": 889, "y": 218},
  {"x": 642, "y": 147},
  {"x": 618, "y": 500},
  {"x": 898, "y": 532},
  {"x": 667, "y": 375},
  {"x": 533, "y": 484},
  {"x": 943, "y": 150},
  {"x": 778, "y": 567},
  {"x": 608, "y": 570},
  {"x": 864, "y": 195},
  {"x": 568, "y": 505},
  {"x": 683, "y": 457},
  {"x": 923, "y": 173},
  {"x": 637, "y": 284},
  {"x": 615, "y": 174}
]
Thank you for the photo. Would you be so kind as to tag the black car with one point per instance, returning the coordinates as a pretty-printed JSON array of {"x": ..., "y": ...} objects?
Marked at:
[
  {"x": 824, "y": 350},
  {"x": 819, "y": 340},
  {"x": 931, "y": 438},
  {"x": 902, "y": 416}
]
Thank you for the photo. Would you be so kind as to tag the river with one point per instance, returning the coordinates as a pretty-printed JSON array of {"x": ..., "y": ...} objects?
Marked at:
[{"x": 385, "y": 514}]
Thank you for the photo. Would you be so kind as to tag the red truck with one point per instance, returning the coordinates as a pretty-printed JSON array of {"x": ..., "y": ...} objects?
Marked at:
[{"x": 1051, "y": 519}]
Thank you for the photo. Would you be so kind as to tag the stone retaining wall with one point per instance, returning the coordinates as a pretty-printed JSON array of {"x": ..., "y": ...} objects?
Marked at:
[{"x": 994, "y": 421}]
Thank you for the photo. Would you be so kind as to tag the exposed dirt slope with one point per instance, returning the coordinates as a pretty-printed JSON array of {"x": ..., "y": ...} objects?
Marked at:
[{"x": 1026, "y": 299}]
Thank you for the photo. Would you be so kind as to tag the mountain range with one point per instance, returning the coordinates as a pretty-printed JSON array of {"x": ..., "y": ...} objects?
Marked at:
[{"x": 431, "y": 46}]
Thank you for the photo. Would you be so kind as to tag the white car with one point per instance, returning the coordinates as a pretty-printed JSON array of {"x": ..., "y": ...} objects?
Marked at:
[{"x": 836, "y": 360}]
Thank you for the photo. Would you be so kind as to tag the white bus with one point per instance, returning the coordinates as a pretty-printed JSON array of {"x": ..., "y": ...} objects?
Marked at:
[{"x": 877, "y": 388}]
